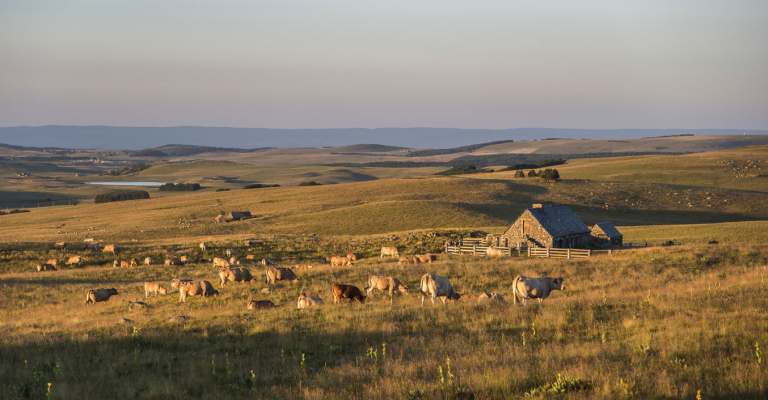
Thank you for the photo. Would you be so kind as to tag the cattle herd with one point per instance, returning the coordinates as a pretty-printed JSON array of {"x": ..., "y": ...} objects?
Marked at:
[{"x": 430, "y": 286}]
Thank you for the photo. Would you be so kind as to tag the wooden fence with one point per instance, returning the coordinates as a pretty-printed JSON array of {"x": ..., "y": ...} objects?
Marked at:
[
  {"x": 558, "y": 253},
  {"x": 475, "y": 250}
]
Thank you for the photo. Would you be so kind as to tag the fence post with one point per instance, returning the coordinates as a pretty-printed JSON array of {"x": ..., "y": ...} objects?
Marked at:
[
  {"x": 529, "y": 251},
  {"x": 547, "y": 252},
  {"x": 589, "y": 252},
  {"x": 569, "y": 253},
  {"x": 474, "y": 249},
  {"x": 610, "y": 252}
]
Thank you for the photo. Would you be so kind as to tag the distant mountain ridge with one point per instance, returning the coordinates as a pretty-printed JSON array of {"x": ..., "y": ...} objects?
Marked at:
[{"x": 137, "y": 138}]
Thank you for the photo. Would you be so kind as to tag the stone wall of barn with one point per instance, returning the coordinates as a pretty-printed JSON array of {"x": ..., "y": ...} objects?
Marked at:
[{"x": 514, "y": 235}]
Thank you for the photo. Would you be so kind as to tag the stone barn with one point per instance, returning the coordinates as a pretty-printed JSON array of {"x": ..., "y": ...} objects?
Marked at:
[
  {"x": 546, "y": 226},
  {"x": 238, "y": 215},
  {"x": 605, "y": 234}
]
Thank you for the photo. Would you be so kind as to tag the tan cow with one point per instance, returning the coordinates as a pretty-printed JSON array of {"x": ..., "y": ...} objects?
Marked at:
[
  {"x": 45, "y": 267},
  {"x": 184, "y": 259},
  {"x": 154, "y": 287},
  {"x": 148, "y": 261},
  {"x": 76, "y": 260},
  {"x": 524, "y": 288},
  {"x": 203, "y": 247},
  {"x": 339, "y": 261},
  {"x": 385, "y": 283},
  {"x": 233, "y": 261},
  {"x": 241, "y": 275},
  {"x": 91, "y": 246},
  {"x": 196, "y": 288},
  {"x": 436, "y": 286},
  {"x": 266, "y": 261},
  {"x": 134, "y": 262},
  {"x": 409, "y": 260},
  {"x": 220, "y": 262},
  {"x": 308, "y": 302},
  {"x": 177, "y": 282},
  {"x": 60, "y": 245},
  {"x": 125, "y": 264},
  {"x": 116, "y": 264},
  {"x": 260, "y": 304},
  {"x": 389, "y": 251},
  {"x": 109, "y": 247},
  {"x": 426, "y": 258},
  {"x": 96, "y": 295},
  {"x": 250, "y": 257},
  {"x": 493, "y": 251},
  {"x": 280, "y": 274},
  {"x": 53, "y": 262},
  {"x": 173, "y": 261},
  {"x": 302, "y": 266},
  {"x": 354, "y": 256}
]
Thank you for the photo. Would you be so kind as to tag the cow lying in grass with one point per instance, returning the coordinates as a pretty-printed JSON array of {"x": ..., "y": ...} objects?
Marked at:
[
  {"x": 45, "y": 267},
  {"x": 260, "y": 304},
  {"x": 308, "y": 302}
]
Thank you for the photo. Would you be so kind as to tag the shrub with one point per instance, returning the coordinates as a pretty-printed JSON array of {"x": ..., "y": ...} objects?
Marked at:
[
  {"x": 531, "y": 173},
  {"x": 120, "y": 195},
  {"x": 549, "y": 175},
  {"x": 180, "y": 187},
  {"x": 222, "y": 190},
  {"x": 462, "y": 170},
  {"x": 519, "y": 174},
  {"x": 16, "y": 211},
  {"x": 310, "y": 183}
]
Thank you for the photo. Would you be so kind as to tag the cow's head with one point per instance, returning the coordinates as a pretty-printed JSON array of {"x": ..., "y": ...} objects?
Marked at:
[
  {"x": 113, "y": 291},
  {"x": 162, "y": 290},
  {"x": 557, "y": 284},
  {"x": 404, "y": 290}
]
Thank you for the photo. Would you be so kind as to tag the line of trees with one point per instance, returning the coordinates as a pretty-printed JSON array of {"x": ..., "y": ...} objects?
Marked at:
[
  {"x": 180, "y": 187},
  {"x": 121, "y": 195}
]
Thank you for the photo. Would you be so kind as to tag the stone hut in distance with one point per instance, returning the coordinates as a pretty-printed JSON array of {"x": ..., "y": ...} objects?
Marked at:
[
  {"x": 605, "y": 234},
  {"x": 546, "y": 226}
]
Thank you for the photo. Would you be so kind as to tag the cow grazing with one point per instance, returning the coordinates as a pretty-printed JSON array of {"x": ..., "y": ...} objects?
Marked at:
[
  {"x": 347, "y": 292},
  {"x": 492, "y": 251},
  {"x": 221, "y": 263},
  {"x": 91, "y": 246},
  {"x": 173, "y": 261},
  {"x": 45, "y": 267},
  {"x": 340, "y": 261},
  {"x": 177, "y": 282},
  {"x": 125, "y": 264},
  {"x": 134, "y": 262},
  {"x": 230, "y": 252},
  {"x": 148, "y": 261},
  {"x": 202, "y": 247},
  {"x": 234, "y": 261},
  {"x": 408, "y": 260},
  {"x": 389, "y": 251},
  {"x": 279, "y": 274},
  {"x": 154, "y": 287},
  {"x": 308, "y": 302},
  {"x": 241, "y": 275},
  {"x": 266, "y": 261},
  {"x": 110, "y": 248},
  {"x": 196, "y": 288},
  {"x": 259, "y": 304},
  {"x": 53, "y": 262},
  {"x": 302, "y": 266},
  {"x": 60, "y": 245},
  {"x": 250, "y": 257},
  {"x": 354, "y": 256},
  {"x": 116, "y": 264},
  {"x": 184, "y": 259},
  {"x": 426, "y": 258},
  {"x": 436, "y": 286},
  {"x": 76, "y": 260},
  {"x": 96, "y": 295},
  {"x": 385, "y": 283},
  {"x": 524, "y": 288}
]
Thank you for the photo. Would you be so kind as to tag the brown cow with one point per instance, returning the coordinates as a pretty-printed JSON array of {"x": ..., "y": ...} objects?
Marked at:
[
  {"x": 408, "y": 260},
  {"x": 250, "y": 257},
  {"x": 60, "y": 245},
  {"x": 124, "y": 264},
  {"x": 75, "y": 260},
  {"x": 53, "y": 262},
  {"x": 426, "y": 258},
  {"x": 260, "y": 304},
  {"x": 347, "y": 292},
  {"x": 196, "y": 288},
  {"x": 468, "y": 298},
  {"x": 241, "y": 275},
  {"x": 524, "y": 288},
  {"x": 109, "y": 247},
  {"x": 308, "y": 302},
  {"x": 339, "y": 261},
  {"x": 177, "y": 282},
  {"x": 91, "y": 246},
  {"x": 154, "y": 287},
  {"x": 45, "y": 267},
  {"x": 173, "y": 261},
  {"x": 280, "y": 274},
  {"x": 97, "y": 295},
  {"x": 389, "y": 251},
  {"x": 354, "y": 256},
  {"x": 385, "y": 283}
]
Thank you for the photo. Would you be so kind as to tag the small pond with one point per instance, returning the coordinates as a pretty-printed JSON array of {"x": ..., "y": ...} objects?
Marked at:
[{"x": 127, "y": 183}]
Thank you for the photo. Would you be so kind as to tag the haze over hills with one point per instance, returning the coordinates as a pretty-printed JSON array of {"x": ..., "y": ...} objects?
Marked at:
[{"x": 136, "y": 138}]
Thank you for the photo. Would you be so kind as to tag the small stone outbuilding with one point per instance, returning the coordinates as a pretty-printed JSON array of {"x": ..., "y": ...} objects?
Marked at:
[
  {"x": 605, "y": 234},
  {"x": 238, "y": 215},
  {"x": 546, "y": 226}
]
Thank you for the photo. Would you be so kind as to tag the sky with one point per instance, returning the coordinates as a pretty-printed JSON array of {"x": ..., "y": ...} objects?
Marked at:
[{"x": 339, "y": 64}]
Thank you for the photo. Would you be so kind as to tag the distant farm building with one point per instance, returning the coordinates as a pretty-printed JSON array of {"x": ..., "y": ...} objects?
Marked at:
[
  {"x": 220, "y": 219},
  {"x": 605, "y": 234},
  {"x": 79, "y": 174},
  {"x": 239, "y": 215},
  {"x": 546, "y": 226}
]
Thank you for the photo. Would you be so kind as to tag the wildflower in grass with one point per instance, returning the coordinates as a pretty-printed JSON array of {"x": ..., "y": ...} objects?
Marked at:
[
  {"x": 48, "y": 393},
  {"x": 758, "y": 354}
]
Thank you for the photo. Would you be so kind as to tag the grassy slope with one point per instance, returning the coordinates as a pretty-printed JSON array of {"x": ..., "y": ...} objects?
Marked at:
[{"x": 643, "y": 324}]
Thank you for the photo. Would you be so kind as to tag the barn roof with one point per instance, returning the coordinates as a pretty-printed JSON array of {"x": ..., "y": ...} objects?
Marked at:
[
  {"x": 239, "y": 214},
  {"x": 608, "y": 229},
  {"x": 559, "y": 220}
]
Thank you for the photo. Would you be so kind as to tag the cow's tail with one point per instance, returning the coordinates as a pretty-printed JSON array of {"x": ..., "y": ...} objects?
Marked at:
[
  {"x": 516, "y": 290},
  {"x": 424, "y": 284},
  {"x": 88, "y": 298},
  {"x": 370, "y": 283}
]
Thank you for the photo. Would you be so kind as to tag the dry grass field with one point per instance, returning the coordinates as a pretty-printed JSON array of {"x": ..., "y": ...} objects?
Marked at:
[{"x": 649, "y": 323}]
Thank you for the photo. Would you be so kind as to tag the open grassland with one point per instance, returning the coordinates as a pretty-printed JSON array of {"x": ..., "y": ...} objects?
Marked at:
[{"x": 650, "y": 323}]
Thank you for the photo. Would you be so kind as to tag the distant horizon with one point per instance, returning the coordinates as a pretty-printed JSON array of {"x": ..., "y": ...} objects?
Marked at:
[{"x": 386, "y": 127}]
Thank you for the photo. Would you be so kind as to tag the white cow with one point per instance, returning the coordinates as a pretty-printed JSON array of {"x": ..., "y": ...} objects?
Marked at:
[
  {"x": 524, "y": 288},
  {"x": 436, "y": 286}
]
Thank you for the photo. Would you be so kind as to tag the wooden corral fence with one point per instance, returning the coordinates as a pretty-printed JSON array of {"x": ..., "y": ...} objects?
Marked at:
[
  {"x": 475, "y": 250},
  {"x": 558, "y": 253}
]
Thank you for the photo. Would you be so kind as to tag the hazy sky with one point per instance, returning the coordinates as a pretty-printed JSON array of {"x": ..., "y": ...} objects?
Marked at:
[{"x": 328, "y": 64}]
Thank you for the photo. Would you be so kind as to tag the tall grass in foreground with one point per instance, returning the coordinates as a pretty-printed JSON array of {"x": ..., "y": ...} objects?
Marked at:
[{"x": 651, "y": 323}]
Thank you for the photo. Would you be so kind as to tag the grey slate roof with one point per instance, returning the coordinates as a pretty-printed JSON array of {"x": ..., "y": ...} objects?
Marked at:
[
  {"x": 559, "y": 220},
  {"x": 240, "y": 214},
  {"x": 608, "y": 229}
]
